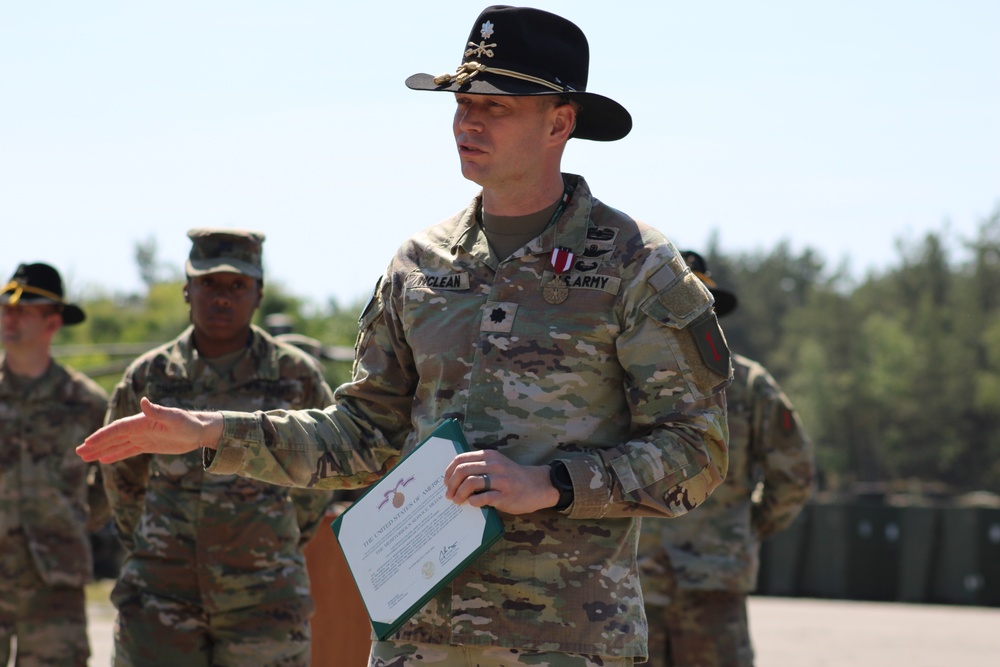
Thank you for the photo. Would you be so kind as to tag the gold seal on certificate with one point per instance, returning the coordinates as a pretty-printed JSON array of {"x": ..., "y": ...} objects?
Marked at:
[{"x": 403, "y": 539}]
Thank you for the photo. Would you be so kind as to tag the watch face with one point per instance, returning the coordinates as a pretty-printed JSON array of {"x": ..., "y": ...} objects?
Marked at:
[
  {"x": 563, "y": 483},
  {"x": 560, "y": 476}
]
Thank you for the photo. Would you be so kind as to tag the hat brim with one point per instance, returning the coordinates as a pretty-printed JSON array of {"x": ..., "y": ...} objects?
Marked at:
[
  {"x": 600, "y": 118},
  {"x": 725, "y": 301},
  {"x": 203, "y": 267},
  {"x": 71, "y": 314}
]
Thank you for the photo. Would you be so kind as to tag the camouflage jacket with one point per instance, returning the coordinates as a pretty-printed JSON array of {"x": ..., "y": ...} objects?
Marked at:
[
  {"x": 611, "y": 380},
  {"x": 220, "y": 541},
  {"x": 770, "y": 462},
  {"x": 43, "y": 483}
]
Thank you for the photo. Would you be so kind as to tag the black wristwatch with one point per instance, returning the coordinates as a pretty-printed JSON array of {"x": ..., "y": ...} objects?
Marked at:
[{"x": 559, "y": 476}]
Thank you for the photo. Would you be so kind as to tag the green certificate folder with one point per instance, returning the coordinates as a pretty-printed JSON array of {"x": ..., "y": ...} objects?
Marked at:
[{"x": 403, "y": 540}]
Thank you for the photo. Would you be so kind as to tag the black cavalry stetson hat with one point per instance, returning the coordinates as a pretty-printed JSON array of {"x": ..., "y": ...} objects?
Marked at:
[
  {"x": 725, "y": 301},
  {"x": 37, "y": 284},
  {"x": 526, "y": 51}
]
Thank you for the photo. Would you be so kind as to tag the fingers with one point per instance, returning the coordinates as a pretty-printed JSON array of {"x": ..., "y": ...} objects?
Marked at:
[
  {"x": 463, "y": 476},
  {"x": 148, "y": 408},
  {"x": 107, "y": 442},
  {"x": 159, "y": 416},
  {"x": 118, "y": 440},
  {"x": 121, "y": 454},
  {"x": 478, "y": 490}
]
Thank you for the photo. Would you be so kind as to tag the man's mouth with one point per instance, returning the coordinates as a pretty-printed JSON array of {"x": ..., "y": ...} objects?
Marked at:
[{"x": 469, "y": 149}]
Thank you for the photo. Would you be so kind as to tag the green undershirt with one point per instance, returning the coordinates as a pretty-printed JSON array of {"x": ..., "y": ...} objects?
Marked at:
[{"x": 508, "y": 233}]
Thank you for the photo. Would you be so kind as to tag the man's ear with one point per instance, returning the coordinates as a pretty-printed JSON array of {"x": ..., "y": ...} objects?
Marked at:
[
  {"x": 54, "y": 324},
  {"x": 563, "y": 122}
]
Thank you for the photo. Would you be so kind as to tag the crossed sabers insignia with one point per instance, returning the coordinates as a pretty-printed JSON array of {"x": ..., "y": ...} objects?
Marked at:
[{"x": 480, "y": 49}]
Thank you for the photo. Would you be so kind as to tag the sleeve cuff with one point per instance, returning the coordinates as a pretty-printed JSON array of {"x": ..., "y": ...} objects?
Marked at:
[
  {"x": 589, "y": 500},
  {"x": 240, "y": 431}
]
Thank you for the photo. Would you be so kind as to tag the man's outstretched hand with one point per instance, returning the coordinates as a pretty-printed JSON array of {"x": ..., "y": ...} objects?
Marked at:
[{"x": 157, "y": 430}]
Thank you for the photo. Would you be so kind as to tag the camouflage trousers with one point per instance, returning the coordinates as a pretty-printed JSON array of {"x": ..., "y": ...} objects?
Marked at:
[
  {"x": 407, "y": 654},
  {"x": 699, "y": 629},
  {"x": 154, "y": 631},
  {"x": 49, "y": 623}
]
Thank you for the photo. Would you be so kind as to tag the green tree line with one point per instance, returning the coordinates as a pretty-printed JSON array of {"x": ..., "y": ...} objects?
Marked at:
[{"x": 896, "y": 375}]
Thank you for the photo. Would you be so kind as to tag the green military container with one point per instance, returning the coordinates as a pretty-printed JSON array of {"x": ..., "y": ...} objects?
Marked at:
[
  {"x": 967, "y": 558},
  {"x": 868, "y": 551},
  {"x": 919, "y": 536},
  {"x": 781, "y": 559},
  {"x": 825, "y": 551},
  {"x": 873, "y": 556}
]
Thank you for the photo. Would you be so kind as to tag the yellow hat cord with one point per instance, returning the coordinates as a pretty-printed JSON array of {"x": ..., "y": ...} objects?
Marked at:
[
  {"x": 470, "y": 69},
  {"x": 20, "y": 288}
]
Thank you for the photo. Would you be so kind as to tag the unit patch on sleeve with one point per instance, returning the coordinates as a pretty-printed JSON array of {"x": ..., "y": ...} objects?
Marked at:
[{"x": 712, "y": 344}]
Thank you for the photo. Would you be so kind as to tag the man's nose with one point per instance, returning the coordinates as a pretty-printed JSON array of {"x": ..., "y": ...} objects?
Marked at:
[{"x": 468, "y": 120}]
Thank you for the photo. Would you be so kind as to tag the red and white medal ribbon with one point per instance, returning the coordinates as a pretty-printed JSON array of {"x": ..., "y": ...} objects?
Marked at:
[{"x": 561, "y": 260}]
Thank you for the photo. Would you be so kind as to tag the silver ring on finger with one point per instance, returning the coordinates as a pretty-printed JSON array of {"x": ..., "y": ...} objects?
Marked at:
[{"x": 486, "y": 483}]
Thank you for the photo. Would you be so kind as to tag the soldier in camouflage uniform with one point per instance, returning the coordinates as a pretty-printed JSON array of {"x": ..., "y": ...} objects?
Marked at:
[
  {"x": 580, "y": 354},
  {"x": 697, "y": 571},
  {"x": 214, "y": 572},
  {"x": 46, "y": 410}
]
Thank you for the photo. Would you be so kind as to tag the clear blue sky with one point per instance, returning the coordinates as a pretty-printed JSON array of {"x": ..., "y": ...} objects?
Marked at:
[{"x": 841, "y": 126}]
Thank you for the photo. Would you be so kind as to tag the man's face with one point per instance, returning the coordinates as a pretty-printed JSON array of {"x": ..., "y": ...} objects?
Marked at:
[
  {"x": 222, "y": 306},
  {"x": 28, "y": 325},
  {"x": 502, "y": 139}
]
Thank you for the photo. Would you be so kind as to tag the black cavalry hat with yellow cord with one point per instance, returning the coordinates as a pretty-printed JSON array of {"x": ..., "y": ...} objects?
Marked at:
[
  {"x": 526, "y": 51},
  {"x": 39, "y": 284},
  {"x": 725, "y": 301}
]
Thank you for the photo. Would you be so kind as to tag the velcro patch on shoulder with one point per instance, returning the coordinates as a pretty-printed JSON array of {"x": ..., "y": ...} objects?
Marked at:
[{"x": 680, "y": 297}]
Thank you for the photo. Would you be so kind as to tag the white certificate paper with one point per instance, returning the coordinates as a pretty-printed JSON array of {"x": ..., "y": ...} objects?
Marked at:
[{"x": 403, "y": 539}]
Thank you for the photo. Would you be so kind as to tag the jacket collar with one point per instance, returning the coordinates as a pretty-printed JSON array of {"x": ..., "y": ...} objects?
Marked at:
[
  {"x": 46, "y": 386},
  {"x": 259, "y": 363},
  {"x": 569, "y": 231}
]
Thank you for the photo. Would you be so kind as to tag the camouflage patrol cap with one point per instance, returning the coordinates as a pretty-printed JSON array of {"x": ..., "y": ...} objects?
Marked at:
[{"x": 225, "y": 251}]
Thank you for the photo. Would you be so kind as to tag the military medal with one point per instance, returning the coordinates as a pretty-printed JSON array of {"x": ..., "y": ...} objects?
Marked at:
[
  {"x": 556, "y": 292},
  {"x": 561, "y": 260}
]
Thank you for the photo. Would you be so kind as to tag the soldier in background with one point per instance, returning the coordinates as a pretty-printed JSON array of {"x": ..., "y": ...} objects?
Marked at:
[
  {"x": 45, "y": 411},
  {"x": 697, "y": 569},
  {"x": 341, "y": 629},
  {"x": 214, "y": 572},
  {"x": 279, "y": 325}
]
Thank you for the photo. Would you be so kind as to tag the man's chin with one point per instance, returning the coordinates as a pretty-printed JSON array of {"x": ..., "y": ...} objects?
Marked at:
[{"x": 471, "y": 173}]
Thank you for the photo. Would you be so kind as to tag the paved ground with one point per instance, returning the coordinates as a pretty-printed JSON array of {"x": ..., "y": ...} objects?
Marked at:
[{"x": 799, "y": 632}]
